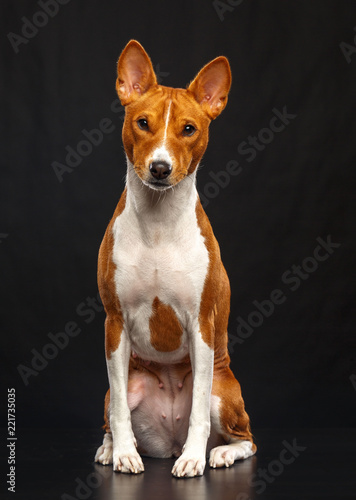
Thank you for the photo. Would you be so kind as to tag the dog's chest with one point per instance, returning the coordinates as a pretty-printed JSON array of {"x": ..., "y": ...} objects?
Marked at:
[{"x": 159, "y": 263}]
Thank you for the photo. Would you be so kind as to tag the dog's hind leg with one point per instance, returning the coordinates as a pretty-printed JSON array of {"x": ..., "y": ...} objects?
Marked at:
[{"x": 230, "y": 420}]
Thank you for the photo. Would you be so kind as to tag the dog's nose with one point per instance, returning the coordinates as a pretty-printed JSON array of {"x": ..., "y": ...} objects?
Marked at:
[{"x": 160, "y": 169}]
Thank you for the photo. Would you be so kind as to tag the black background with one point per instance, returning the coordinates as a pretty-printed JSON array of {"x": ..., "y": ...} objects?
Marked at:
[{"x": 295, "y": 368}]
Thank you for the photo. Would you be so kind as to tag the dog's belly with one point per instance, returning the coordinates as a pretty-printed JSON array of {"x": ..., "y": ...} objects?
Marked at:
[
  {"x": 160, "y": 400},
  {"x": 160, "y": 403}
]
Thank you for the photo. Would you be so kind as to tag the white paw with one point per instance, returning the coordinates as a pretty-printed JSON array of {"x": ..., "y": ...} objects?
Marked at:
[
  {"x": 224, "y": 456},
  {"x": 188, "y": 466},
  {"x": 104, "y": 452},
  {"x": 128, "y": 462}
]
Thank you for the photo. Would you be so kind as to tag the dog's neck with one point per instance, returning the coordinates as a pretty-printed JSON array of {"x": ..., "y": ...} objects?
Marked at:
[{"x": 161, "y": 215}]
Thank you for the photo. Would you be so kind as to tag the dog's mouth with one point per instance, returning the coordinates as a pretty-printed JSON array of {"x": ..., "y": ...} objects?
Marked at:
[{"x": 158, "y": 185}]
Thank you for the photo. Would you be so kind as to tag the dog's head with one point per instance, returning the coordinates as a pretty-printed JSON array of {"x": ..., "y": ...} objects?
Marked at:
[{"x": 165, "y": 131}]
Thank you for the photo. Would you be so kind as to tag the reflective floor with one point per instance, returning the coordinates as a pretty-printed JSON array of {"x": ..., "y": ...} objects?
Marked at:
[{"x": 290, "y": 464}]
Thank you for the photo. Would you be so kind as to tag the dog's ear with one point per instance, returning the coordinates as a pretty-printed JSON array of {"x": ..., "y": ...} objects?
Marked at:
[
  {"x": 211, "y": 86},
  {"x": 135, "y": 74}
]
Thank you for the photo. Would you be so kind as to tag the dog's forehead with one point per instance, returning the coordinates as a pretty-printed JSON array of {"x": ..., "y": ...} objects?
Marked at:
[{"x": 158, "y": 99}]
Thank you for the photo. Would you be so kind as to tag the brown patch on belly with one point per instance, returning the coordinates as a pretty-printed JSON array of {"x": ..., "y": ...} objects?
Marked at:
[{"x": 166, "y": 331}]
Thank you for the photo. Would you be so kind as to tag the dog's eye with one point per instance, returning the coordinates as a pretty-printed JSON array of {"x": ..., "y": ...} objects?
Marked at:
[
  {"x": 142, "y": 123},
  {"x": 189, "y": 130}
]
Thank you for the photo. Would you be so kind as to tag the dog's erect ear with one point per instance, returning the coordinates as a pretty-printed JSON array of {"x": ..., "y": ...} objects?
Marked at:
[
  {"x": 135, "y": 74},
  {"x": 211, "y": 86}
]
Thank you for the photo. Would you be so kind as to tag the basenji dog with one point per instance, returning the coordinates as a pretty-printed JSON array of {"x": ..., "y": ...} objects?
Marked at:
[{"x": 164, "y": 288}]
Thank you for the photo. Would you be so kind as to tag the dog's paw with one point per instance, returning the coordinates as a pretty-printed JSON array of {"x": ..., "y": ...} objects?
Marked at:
[
  {"x": 188, "y": 466},
  {"x": 224, "y": 456},
  {"x": 128, "y": 462},
  {"x": 104, "y": 452}
]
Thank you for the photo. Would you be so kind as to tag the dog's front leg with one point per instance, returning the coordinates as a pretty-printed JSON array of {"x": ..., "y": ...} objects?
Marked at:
[
  {"x": 192, "y": 461},
  {"x": 125, "y": 456}
]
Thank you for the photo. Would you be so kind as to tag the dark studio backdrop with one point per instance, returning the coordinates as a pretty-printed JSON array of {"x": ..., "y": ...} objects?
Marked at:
[{"x": 277, "y": 182}]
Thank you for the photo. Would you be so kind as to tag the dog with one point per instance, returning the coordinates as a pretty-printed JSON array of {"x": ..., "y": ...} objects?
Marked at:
[{"x": 164, "y": 288}]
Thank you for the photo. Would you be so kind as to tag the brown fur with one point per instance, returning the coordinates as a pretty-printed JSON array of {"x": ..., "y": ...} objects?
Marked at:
[
  {"x": 110, "y": 300},
  {"x": 166, "y": 331}
]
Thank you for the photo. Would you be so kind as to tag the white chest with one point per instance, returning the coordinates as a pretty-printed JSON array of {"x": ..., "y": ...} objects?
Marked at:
[{"x": 159, "y": 256}]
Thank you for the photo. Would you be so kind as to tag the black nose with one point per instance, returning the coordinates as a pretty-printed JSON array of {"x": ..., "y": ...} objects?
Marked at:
[{"x": 160, "y": 169}]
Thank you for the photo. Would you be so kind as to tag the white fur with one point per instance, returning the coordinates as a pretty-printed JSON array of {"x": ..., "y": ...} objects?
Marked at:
[
  {"x": 161, "y": 154},
  {"x": 224, "y": 456},
  {"x": 215, "y": 413},
  {"x": 167, "y": 121}
]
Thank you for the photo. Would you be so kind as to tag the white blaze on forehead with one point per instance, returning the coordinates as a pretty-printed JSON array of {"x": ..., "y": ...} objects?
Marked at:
[
  {"x": 161, "y": 153},
  {"x": 167, "y": 121}
]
